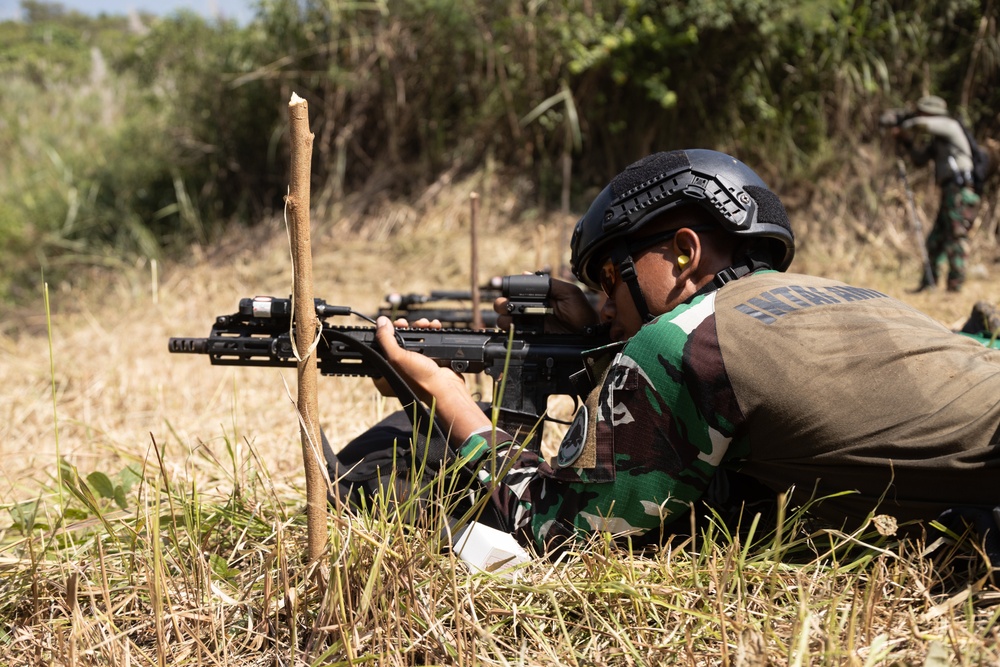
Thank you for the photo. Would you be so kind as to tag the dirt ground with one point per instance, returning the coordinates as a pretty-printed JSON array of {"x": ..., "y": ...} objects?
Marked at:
[{"x": 105, "y": 392}]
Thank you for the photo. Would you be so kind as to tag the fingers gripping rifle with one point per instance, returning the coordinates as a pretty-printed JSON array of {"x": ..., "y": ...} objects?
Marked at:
[
  {"x": 434, "y": 305},
  {"x": 528, "y": 364}
]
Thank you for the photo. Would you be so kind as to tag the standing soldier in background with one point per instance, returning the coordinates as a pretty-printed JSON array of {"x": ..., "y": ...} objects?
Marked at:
[{"x": 949, "y": 148}]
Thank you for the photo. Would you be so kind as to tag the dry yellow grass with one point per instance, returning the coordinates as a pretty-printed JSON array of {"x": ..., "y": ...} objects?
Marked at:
[
  {"x": 117, "y": 389},
  {"x": 216, "y": 578}
]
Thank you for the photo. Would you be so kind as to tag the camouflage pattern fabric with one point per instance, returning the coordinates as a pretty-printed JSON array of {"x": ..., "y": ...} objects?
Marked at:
[
  {"x": 793, "y": 381},
  {"x": 665, "y": 420},
  {"x": 948, "y": 240}
]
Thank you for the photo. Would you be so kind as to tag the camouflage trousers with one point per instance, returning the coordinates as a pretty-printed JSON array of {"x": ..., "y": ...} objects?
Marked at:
[{"x": 948, "y": 241}]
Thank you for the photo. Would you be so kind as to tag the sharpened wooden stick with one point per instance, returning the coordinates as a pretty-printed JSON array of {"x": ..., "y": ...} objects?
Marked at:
[{"x": 306, "y": 326}]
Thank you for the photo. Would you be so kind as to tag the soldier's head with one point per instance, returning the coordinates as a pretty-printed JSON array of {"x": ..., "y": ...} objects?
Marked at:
[{"x": 665, "y": 227}]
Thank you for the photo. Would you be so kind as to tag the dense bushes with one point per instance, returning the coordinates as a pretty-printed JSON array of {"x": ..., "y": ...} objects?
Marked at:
[{"x": 145, "y": 137}]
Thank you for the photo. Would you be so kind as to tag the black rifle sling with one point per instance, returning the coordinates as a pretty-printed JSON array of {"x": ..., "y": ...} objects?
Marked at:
[
  {"x": 430, "y": 442},
  {"x": 414, "y": 408}
]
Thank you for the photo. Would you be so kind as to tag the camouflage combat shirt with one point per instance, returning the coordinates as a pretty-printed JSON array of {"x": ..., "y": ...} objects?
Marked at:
[{"x": 797, "y": 381}]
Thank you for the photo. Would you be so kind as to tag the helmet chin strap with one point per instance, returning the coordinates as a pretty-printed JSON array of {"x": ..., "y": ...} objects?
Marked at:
[{"x": 622, "y": 259}]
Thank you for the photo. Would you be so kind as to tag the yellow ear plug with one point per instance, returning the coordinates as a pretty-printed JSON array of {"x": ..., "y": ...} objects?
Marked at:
[{"x": 683, "y": 261}]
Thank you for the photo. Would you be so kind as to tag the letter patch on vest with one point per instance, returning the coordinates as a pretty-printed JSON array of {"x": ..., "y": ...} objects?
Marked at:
[{"x": 574, "y": 440}]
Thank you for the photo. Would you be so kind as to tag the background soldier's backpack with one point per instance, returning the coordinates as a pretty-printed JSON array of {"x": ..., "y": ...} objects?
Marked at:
[{"x": 980, "y": 161}]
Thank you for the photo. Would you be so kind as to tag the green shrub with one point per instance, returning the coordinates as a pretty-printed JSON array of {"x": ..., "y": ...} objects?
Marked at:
[{"x": 144, "y": 142}]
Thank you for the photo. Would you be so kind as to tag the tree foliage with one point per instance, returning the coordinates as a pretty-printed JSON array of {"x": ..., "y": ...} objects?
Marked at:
[{"x": 148, "y": 132}]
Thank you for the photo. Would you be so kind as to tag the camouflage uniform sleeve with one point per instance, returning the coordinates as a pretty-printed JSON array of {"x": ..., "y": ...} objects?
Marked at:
[{"x": 666, "y": 415}]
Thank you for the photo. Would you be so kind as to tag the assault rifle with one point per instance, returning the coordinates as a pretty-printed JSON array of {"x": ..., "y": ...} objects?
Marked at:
[
  {"x": 442, "y": 305},
  {"x": 414, "y": 306},
  {"x": 526, "y": 363},
  {"x": 895, "y": 117}
]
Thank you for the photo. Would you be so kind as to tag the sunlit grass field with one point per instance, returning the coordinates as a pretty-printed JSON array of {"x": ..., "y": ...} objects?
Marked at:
[{"x": 175, "y": 533}]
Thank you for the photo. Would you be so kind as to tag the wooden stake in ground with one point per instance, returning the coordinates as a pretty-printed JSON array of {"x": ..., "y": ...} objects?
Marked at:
[{"x": 306, "y": 324}]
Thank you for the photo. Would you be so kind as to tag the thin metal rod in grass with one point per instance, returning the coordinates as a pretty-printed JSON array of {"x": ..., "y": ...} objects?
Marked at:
[{"x": 52, "y": 378}]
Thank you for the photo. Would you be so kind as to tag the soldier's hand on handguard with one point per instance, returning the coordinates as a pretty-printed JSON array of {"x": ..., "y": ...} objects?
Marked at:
[
  {"x": 401, "y": 323},
  {"x": 572, "y": 312},
  {"x": 455, "y": 408}
]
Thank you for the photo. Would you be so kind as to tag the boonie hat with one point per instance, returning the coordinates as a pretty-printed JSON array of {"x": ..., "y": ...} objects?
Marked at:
[{"x": 932, "y": 105}]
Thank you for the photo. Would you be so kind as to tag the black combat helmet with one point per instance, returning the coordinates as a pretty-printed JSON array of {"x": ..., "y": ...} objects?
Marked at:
[{"x": 729, "y": 190}]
